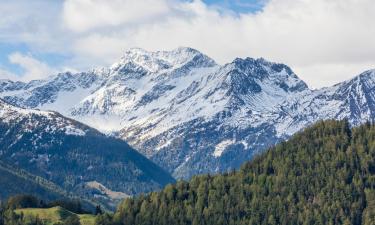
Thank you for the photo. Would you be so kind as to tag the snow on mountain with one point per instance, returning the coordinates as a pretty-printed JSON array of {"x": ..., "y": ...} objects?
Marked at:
[
  {"x": 191, "y": 115},
  {"x": 141, "y": 86},
  {"x": 10, "y": 114},
  {"x": 352, "y": 100}
]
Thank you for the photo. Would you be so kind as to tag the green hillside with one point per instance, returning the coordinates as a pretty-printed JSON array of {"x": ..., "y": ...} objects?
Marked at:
[
  {"x": 323, "y": 175},
  {"x": 30, "y": 210},
  {"x": 55, "y": 215}
]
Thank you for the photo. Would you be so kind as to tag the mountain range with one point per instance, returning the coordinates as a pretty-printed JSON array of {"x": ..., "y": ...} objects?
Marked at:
[{"x": 189, "y": 114}]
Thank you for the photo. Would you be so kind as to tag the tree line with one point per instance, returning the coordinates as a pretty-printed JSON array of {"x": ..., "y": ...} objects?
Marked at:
[{"x": 322, "y": 175}]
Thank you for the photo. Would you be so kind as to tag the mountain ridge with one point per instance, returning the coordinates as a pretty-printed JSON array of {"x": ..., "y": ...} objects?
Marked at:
[{"x": 189, "y": 114}]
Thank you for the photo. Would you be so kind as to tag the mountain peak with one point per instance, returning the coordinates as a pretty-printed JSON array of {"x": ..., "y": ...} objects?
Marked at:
[
  {"x": 156, "y": 61},
  {"x": 180, "y": 51},
  {"x": 249, "y": 62},
  {"x": 185, "y": 55},
  {"x": 262, "y": 69}
]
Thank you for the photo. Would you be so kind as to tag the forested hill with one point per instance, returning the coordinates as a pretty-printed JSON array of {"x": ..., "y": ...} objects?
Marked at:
[
  {"x": 78, "y": 158},
  {"x": 323, "y": 175},
  {"x": 15, "y": 181}
]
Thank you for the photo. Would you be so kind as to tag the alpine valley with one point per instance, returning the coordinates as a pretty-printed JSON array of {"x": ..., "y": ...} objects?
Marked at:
[
  {"x": 179, "y": 108},
  {"x": 64, "y": 158}
]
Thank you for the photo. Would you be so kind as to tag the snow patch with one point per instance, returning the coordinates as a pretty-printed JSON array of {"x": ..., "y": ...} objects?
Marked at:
[
  {"x": 71, "y": 130},
  {"x": 220, "y": 148}
]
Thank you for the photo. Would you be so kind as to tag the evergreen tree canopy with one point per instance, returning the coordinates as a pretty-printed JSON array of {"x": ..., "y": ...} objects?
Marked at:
[{"x": 322, "y": 175}]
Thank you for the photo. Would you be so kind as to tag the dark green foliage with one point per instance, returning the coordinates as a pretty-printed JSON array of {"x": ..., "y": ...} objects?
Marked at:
[
  {"x": 98, "y": 210},
  {"x": 23, "y": 201},
  {"x": 323, "y": 175},
  {"x": 9, "y": 217},
  {"x": 2, "y": 208},
  {"x": 104, "y": 219}
]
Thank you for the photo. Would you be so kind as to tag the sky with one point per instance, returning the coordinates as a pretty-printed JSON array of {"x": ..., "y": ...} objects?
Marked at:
[{"x": 323, "y": 41}]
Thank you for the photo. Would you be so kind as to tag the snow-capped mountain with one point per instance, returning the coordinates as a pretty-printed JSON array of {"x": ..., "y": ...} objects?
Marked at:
[
  {"x": 191, "y": 115},
  {"x": 73, "y": 155}
]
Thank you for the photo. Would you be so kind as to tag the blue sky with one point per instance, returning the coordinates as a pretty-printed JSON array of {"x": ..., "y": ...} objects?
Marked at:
[
  {"x": 7, "y": 49},
  {"x": 324, "y": 42},
  {"x": 238, "y": 6}
]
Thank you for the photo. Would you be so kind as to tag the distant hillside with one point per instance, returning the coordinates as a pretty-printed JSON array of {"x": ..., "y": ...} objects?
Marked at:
[
  {"x": 75, "y": 156},
  {"x": 323, "y": 175},
  {"x": 15, "y": 181}
]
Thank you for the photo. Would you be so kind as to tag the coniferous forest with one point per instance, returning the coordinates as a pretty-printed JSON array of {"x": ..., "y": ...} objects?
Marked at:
[{"x": 323, "y": 175}]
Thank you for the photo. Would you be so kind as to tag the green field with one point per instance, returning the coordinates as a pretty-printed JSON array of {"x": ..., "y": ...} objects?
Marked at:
[{"x": 55, "y": 214}]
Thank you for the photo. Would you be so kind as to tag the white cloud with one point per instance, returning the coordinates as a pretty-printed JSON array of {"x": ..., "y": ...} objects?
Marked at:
[
  {"x": 309, "y": 35},
  {"x": 325, "y": 41},
  {"x": 321, "y": 74},
  {"x": 33, "y": 68},
  {"x": 36, "y": 24},
  {"x": 83, "y": 15}
]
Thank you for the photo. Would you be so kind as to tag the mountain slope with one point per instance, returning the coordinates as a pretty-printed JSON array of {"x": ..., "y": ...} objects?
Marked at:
[
  {"x": 352, "y": 100},
  {"x": 189, "y": 114},
  {"x": 14, "y": 181},
  {"x": 323, "y": 175},
  {"x": 73, "y": 155}
]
